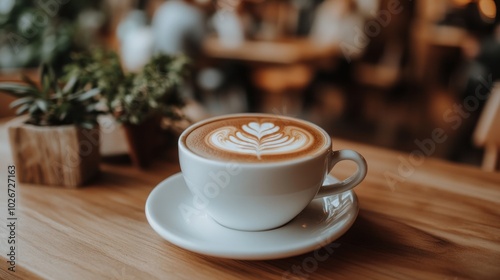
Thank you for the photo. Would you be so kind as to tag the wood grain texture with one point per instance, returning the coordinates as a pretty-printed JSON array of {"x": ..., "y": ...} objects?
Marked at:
[
  {"x": 65, "y": 156},
  {"x": 440, "y": 221}
]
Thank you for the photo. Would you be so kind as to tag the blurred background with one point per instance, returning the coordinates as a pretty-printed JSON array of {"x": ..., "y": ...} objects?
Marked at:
[{"x": 387, "y": 72}]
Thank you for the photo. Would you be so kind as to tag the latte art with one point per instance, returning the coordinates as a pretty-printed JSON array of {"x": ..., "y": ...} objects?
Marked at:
[
  {"x": 255, "y": 138},
  {"x": 260, "y": 139}
]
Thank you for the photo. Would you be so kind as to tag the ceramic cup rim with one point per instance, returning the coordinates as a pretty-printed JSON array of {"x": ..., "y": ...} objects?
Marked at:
[{"x": 321, "y": 151}]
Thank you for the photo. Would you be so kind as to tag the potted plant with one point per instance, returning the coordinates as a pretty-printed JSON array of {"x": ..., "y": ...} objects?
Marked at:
[
  {"x": 144, "y": 99},
  {"x": 140, "y": 101},
  {"x": 98, "y": 68},
  {"x": 58, "y": 142}
]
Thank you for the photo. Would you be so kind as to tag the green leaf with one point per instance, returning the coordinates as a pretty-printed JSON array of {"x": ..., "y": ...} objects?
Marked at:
[
  {"x": 16, "y": 89},
  {"x": 45, "y": 85},
  {"x": 20, "y": 101},
  {"x": 33, "y": 108},
  {"x": 29, "y": 81},
  {"x": 134, "y": 119},
  {"x": 42, "y": 104},
  {"x": 44, "y": 69},
  {"x": 44, "y": 77},
  {"x": 63, "y": 111},
  {"x": 89, "y": 94},
  {"x": 70, "y": 84},
  {"x": 48, "y": 79},
  {"x": 87, "y": 125},
  {"x": 56, "y": 86},
  {"x": 63, "y": 115},
  {"x": 153, "y": 103},
  {"x": 22, "y": 109}
]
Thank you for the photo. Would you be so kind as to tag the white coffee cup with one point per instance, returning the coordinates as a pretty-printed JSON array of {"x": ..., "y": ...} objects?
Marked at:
[{"x": 265, "y": 188}]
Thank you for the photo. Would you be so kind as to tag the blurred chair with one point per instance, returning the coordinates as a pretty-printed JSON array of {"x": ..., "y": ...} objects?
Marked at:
[
  {"x": 487, "y": 132},
  {"x": 382, "y": 79},
  {"x": 386, "y": 72},
  {"x": 283, "y": 87}
]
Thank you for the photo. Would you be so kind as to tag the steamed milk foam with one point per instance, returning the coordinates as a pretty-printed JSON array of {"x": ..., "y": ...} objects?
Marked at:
[{"x": 255, "y": 139}]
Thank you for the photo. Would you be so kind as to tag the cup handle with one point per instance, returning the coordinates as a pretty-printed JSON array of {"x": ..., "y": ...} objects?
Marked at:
[{"x": 349, "y": 183}]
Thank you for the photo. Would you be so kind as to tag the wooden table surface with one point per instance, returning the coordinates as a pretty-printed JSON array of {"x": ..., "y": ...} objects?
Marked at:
[{"x": 438, "y": 221}]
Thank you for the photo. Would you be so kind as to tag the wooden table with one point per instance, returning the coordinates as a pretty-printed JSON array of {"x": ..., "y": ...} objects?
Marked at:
[
  {"x": 440, "y": 221},
  {"x": 289, "y": 51},
  {"x": 275, "y": 72}
]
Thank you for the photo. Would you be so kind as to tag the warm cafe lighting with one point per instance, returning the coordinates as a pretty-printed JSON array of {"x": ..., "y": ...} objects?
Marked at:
[
  {"x": 461, "y": 3},
  {"x": 488, "y": 9}
]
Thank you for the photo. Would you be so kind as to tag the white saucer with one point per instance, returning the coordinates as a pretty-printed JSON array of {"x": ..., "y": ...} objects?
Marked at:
[{"x": 324, "y": 220}]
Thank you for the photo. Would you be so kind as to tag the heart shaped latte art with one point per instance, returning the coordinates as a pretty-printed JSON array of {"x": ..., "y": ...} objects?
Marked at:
[{"x": 260, "y": 139}]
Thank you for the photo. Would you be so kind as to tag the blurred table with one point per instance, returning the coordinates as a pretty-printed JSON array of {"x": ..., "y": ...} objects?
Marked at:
[
  {"x": 281, "y": 69},
  {"x": 434, "y": 220},
  {"x": 287, "y": 51},
  {"x": 445, "y": 36}
]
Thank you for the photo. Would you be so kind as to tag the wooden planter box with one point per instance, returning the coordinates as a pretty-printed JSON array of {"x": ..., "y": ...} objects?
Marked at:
[{"x": 60, "y": 156}]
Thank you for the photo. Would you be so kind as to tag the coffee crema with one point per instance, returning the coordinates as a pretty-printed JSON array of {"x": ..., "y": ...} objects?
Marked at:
[{"x": 255, "y": 139}]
